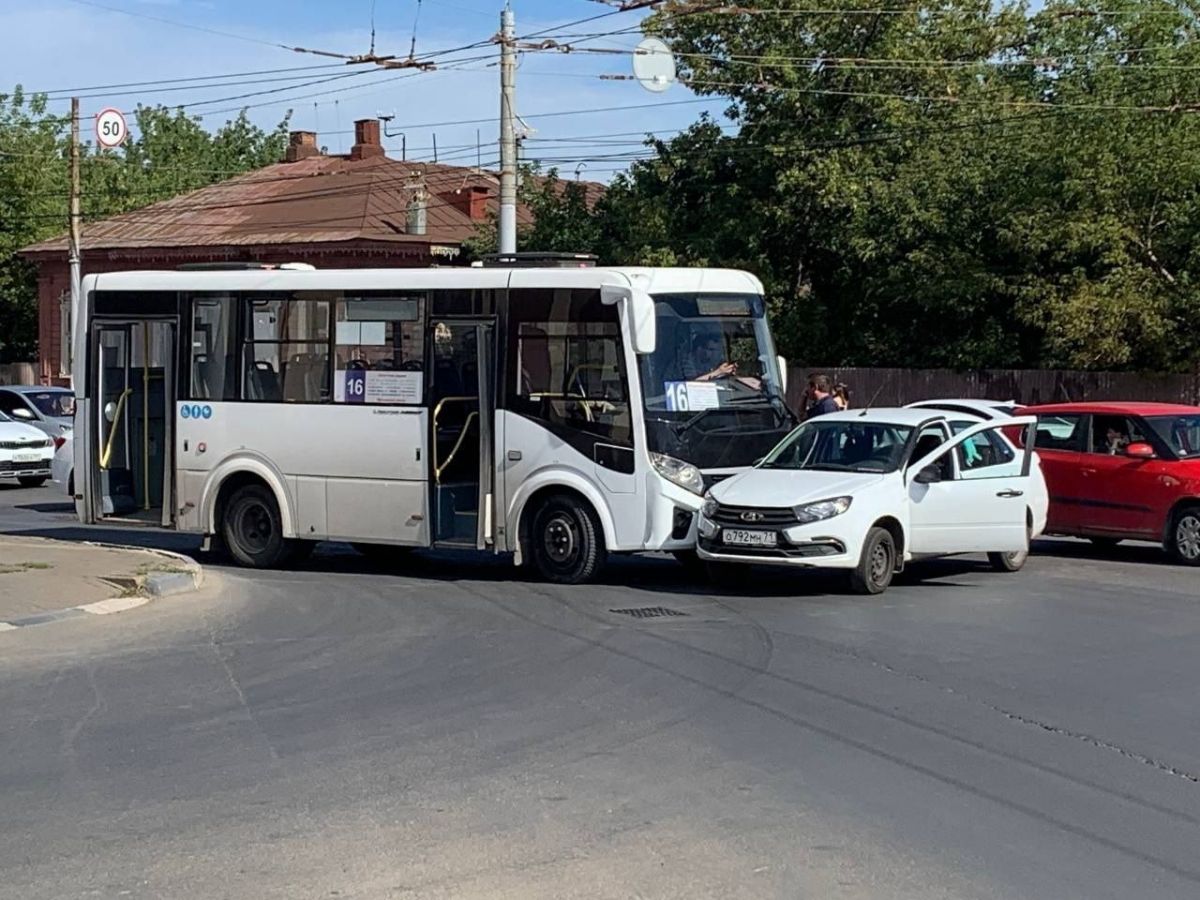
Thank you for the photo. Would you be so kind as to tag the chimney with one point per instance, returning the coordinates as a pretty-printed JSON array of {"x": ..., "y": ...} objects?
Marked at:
[
  {"x": 470, "y": 200},
  {"x": 366, "y": 139},
  {"x": 302, "y": 145}
]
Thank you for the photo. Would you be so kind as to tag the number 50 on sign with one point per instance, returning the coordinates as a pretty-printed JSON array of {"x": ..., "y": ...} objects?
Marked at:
[{"x": 111, "y": 129}]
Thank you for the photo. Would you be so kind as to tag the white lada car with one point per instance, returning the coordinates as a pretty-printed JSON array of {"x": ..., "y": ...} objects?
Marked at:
[{"x": 867, "y": 491}]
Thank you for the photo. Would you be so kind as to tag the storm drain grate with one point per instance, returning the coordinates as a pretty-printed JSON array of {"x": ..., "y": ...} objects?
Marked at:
[{"x": 648, "y": 612}]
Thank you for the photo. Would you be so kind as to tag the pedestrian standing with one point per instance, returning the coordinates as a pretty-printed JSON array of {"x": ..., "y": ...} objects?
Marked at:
[
  {"x": 820, "y": 396},
  {"x": 841, "y": 396}
]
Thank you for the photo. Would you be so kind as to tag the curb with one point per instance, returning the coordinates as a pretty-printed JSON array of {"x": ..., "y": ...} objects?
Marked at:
[{"x": 151, "y": 586}]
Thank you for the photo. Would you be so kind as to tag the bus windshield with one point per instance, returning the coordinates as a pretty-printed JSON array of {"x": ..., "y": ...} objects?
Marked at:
[{"x": 713, "y": 376}]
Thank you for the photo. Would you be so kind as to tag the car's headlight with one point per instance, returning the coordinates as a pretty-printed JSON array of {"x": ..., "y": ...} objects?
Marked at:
[
  {"x": 678, "y": 472},
  {"x": 709, "y": 509},
  {"x": 822, "y": 509},
  {"x": 48, "y": 442}
]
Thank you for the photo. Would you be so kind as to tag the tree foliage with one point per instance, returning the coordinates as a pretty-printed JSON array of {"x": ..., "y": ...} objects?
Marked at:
[
  {"x": 963, "y": 184},
  {"x": 171, "y": 154}
]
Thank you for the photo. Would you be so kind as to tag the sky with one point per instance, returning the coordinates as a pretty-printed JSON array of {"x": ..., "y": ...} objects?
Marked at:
[{"x": 82, "y": 47}]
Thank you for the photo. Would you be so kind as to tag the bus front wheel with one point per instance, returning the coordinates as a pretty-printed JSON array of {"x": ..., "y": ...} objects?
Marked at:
[
  {"x": 567, "y": 543},
  {"x": 253, "y": 529}
]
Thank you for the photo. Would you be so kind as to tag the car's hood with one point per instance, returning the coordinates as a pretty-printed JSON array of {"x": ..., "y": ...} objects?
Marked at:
[
  {"x": 790, "y": 487},
  {"x": 19, "y": 431}
]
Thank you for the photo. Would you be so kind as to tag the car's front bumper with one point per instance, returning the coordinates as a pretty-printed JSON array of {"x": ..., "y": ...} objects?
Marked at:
[
  {"x": 11, "y": 469},
  {"x": 829, "y": 544}
]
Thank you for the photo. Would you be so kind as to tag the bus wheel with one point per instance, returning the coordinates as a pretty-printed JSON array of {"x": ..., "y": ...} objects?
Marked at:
[
  {"x": 567, "y": 543},
  {"x": 252, "y": 528}
]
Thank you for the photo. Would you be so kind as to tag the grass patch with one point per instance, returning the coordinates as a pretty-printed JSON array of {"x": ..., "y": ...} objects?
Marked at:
[
  {"x": 15, "y": 568},
  {"x": 160, "y": 569}
]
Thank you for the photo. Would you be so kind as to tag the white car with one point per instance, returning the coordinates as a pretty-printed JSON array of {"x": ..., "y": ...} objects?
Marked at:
[
  {"x": 986, "y": 409},
  {"x": 25, "y": 453},
  {"x": 62, "y": 467},
  {"x": 866, "y": 491}
]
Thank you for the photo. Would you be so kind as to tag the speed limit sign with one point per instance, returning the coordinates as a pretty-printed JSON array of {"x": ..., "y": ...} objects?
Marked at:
[{"x": 111, "y": 129}]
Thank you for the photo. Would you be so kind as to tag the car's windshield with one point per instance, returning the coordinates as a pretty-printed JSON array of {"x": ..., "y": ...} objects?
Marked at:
[
  {"x": 56, "y": 404},
  {"x": 711, "y": 388},
  {"x": 1180, "y": 433},
  {"x": 842, "y": 446}
]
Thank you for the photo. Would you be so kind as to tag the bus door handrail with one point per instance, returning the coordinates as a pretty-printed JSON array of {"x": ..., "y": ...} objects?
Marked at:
[
  {"x": 462, "y": 436},
  {"x": 106, "y": 453}
]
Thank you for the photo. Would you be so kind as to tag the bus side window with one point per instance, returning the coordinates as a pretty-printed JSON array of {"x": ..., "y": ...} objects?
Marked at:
[
  {"x": 213, "y": 363},
  {"x": 566, "y": 363},
  {"x": 287, "y": 350}
]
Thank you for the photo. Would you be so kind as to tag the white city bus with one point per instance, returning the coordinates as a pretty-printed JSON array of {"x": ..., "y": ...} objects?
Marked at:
[{"x": 554, "y": 413}]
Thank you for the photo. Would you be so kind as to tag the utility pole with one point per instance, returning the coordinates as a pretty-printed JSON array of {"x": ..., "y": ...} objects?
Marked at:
[
  {"x": 73, "y": 257},
  {"x": 508, "y": 134}
]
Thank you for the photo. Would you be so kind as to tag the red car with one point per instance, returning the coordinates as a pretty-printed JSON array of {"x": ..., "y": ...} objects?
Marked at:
[{"x": 1120, "y": 471}]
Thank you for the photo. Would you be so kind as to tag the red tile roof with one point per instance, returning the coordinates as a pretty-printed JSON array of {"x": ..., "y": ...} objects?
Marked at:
[{"x": 320, "y": 199}]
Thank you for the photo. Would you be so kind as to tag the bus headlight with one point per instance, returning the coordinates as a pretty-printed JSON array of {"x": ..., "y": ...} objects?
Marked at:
[
  {"x": 678, "y": 472},
  {"x": 822, "y": 509}
]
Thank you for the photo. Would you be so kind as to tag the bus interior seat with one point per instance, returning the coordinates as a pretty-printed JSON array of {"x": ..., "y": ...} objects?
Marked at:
[{"x": 262, "y": 382}]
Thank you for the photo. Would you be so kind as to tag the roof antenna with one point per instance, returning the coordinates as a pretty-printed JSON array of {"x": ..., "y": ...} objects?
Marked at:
[
  {"x": 372, "y": 27},
  {"x": 875, "y": 396}
]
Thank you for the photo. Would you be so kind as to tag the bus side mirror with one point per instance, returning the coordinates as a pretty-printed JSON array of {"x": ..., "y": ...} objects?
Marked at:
[
  {"x": 783, "y": 373},
  {"x": 638, "y": 307}
]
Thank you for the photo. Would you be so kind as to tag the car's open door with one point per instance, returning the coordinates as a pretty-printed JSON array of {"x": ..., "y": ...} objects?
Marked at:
[{"x": 982, "y": 513}]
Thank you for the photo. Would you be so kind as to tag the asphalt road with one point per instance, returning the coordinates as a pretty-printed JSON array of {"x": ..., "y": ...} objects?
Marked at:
[{"x": 450, "y": 729}]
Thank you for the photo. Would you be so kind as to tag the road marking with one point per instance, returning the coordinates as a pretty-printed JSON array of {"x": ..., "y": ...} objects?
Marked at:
[
  {"x": 4, "y": 626},
  {"x": 113, "y": 605}
]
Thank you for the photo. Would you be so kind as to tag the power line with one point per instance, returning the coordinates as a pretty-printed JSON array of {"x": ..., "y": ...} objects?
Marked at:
[
  {"x": 133, "y": 84},
  {"x": 204, "y": 28}
]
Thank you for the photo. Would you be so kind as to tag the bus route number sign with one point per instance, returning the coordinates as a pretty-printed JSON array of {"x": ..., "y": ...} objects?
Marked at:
[
  {"x": 356, "y": 386},
  {"x": 111, "y": 129}
]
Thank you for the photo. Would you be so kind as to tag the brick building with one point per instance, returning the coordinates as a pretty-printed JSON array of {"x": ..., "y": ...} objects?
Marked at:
[{"x": 358, "y": 210}]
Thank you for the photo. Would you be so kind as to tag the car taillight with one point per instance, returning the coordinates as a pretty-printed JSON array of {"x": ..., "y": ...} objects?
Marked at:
[{"x": 59, "y": 441}]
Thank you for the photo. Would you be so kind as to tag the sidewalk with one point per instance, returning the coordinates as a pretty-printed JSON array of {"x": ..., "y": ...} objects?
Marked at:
[{"x": 43, "y": 580}]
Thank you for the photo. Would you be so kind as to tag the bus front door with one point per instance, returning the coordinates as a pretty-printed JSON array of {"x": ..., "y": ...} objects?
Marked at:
[
  {"x": 463, "y": 355},
  {"x": 131, "y": 467}
]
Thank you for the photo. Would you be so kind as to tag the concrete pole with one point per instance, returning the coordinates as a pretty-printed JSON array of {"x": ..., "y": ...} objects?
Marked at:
[
  {"x": 74, "y": 240},
  {"x": 508, "y": 134}
]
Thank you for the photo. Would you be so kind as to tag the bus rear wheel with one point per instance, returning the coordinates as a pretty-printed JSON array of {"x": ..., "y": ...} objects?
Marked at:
[
  {"x": 566, "y": 541},
  {"x": 253, "y": 529}
]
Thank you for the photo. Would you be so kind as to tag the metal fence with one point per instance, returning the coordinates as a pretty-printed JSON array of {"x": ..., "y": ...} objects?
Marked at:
[{"x": 896, "y": 387}]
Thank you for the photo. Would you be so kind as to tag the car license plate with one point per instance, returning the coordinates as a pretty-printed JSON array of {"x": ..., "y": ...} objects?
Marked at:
[
  {"x": 748, "y": 538},
  {"x": 26, "y": 457}
]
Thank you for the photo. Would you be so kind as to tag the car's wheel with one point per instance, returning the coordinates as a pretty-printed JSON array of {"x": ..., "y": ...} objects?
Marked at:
[
  {"x": 876, "y": 564},
  {"x": 1104, "y": 543},
  {"x": 1184, "y": 542},
  {"x": 1008, "y": 562},
  {"x": 566, "y": 541},
  {"x": 252, "y": 528},
  {"x": 32, "y": 481}
]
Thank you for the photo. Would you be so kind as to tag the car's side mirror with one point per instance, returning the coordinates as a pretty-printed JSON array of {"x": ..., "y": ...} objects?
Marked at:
[
  {"x": 1140, "y": 450},
  {"x": 931, "y": 474},
  {"x": 22, "y": 413}
]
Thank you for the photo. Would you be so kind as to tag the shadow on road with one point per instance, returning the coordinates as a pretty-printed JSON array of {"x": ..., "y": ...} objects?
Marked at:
[{"x": 1146, "y": 554}]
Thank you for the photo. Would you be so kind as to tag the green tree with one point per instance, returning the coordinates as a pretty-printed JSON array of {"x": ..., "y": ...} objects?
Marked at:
[{"x": 962, "y": 184}]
